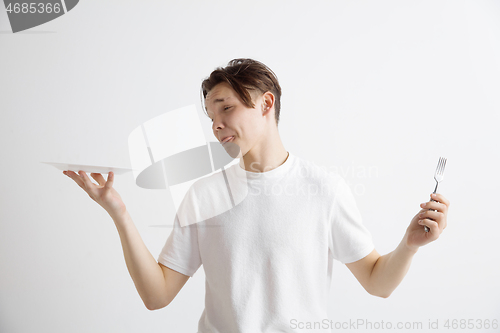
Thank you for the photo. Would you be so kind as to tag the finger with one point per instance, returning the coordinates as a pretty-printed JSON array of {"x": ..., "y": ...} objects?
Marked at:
[
  {"x": 432, "y": 215},
  {"x": 432, "y": 225},
  {"x": 98, "y": 178},
  {"x": 86, "y": 180},
  {"x": 111, "y": 178},
  {"x": 440, "y": 198},
  {"x": 435, "y": 205},
  {"x": 76, "y": 178}
]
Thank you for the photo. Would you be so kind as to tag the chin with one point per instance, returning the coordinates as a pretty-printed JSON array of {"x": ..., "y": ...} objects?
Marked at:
[{"x": 233, "y": 150}]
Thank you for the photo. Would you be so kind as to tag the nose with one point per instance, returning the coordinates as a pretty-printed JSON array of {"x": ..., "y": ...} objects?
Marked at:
[{"x": 217, "y": 125}]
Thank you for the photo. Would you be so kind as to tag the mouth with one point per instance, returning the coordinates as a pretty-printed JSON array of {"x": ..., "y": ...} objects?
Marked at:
[{"x": 227, "y": 139}]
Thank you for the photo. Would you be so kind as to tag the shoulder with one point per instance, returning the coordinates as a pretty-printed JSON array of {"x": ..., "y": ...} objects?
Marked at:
[
  {"x": 205, "y": 198},
  {"x": 319, "y": 174}
]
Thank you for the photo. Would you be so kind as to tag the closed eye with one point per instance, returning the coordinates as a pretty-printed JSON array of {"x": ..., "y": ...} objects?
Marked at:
[{"x": 227, "y": 107}]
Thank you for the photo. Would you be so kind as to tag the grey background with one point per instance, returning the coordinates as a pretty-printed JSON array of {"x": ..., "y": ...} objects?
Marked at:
[{"x": 387, "y": 86}]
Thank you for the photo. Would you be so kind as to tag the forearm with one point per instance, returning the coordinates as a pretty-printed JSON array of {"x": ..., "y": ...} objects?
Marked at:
[
  {"x": 390, "y": 269},
  {"x": 143, "y": 268}
]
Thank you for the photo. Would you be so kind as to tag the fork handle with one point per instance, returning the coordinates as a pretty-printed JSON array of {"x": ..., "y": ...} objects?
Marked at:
[
  {"x": 426, "y": 228},
  {"x": 435, "y": 189}
]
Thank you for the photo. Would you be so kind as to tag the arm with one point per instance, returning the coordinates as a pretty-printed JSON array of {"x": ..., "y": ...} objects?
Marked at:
[
  {"x": 157, "y": 284},
  {"x": 380, "y": 275}
]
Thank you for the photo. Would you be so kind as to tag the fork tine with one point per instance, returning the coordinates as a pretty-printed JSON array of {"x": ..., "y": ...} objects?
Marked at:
[
  {"x": 442, "y": 166},
  {"x": 439, "y": 165}
]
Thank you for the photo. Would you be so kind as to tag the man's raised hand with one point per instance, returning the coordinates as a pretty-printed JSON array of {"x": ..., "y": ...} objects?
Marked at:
[{"x": 104, "y": 193}]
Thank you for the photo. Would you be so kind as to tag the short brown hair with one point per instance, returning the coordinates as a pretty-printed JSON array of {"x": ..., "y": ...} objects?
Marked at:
[{"x": 244, "y": 75}]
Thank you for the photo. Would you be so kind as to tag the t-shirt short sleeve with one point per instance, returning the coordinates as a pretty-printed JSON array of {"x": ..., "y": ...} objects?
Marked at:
[
  {"x": 349, "y": 238},
  {"x": 181, "y": 250}
]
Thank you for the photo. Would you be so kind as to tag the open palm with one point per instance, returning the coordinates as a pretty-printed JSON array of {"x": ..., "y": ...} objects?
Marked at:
[{"x": 104, "y": 193}]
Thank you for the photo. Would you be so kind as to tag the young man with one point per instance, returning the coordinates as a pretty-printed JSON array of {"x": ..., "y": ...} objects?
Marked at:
[{"x": 268, "y": 259}]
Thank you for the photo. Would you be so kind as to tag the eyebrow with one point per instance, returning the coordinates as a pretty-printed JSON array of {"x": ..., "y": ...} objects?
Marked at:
[{"x": 221, "y": 99}]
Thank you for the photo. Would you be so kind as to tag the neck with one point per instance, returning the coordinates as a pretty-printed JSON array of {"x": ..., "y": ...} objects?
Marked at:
[{"x": 265, "y": 156}]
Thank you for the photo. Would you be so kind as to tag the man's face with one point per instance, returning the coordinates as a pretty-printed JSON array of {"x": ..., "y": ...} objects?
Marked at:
[{"x": 230, "y": 117}]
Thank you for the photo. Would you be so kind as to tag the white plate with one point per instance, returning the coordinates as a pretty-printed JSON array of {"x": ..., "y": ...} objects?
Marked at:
[{"x": 89, "y": 168}]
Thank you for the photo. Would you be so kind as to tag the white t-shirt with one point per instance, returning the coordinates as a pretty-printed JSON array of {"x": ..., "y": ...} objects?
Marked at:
[{"x": 268, "y": 260}]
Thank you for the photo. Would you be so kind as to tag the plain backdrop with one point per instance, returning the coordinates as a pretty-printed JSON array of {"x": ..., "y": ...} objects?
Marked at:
[{"x": 375, "y": 90}]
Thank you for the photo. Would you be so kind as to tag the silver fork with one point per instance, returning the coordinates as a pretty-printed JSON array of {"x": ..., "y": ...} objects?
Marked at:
[{"x": 438, "y": 176}]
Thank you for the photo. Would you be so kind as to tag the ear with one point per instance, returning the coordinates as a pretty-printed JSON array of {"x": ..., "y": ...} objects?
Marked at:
[{"x": 267, "y": 102}]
